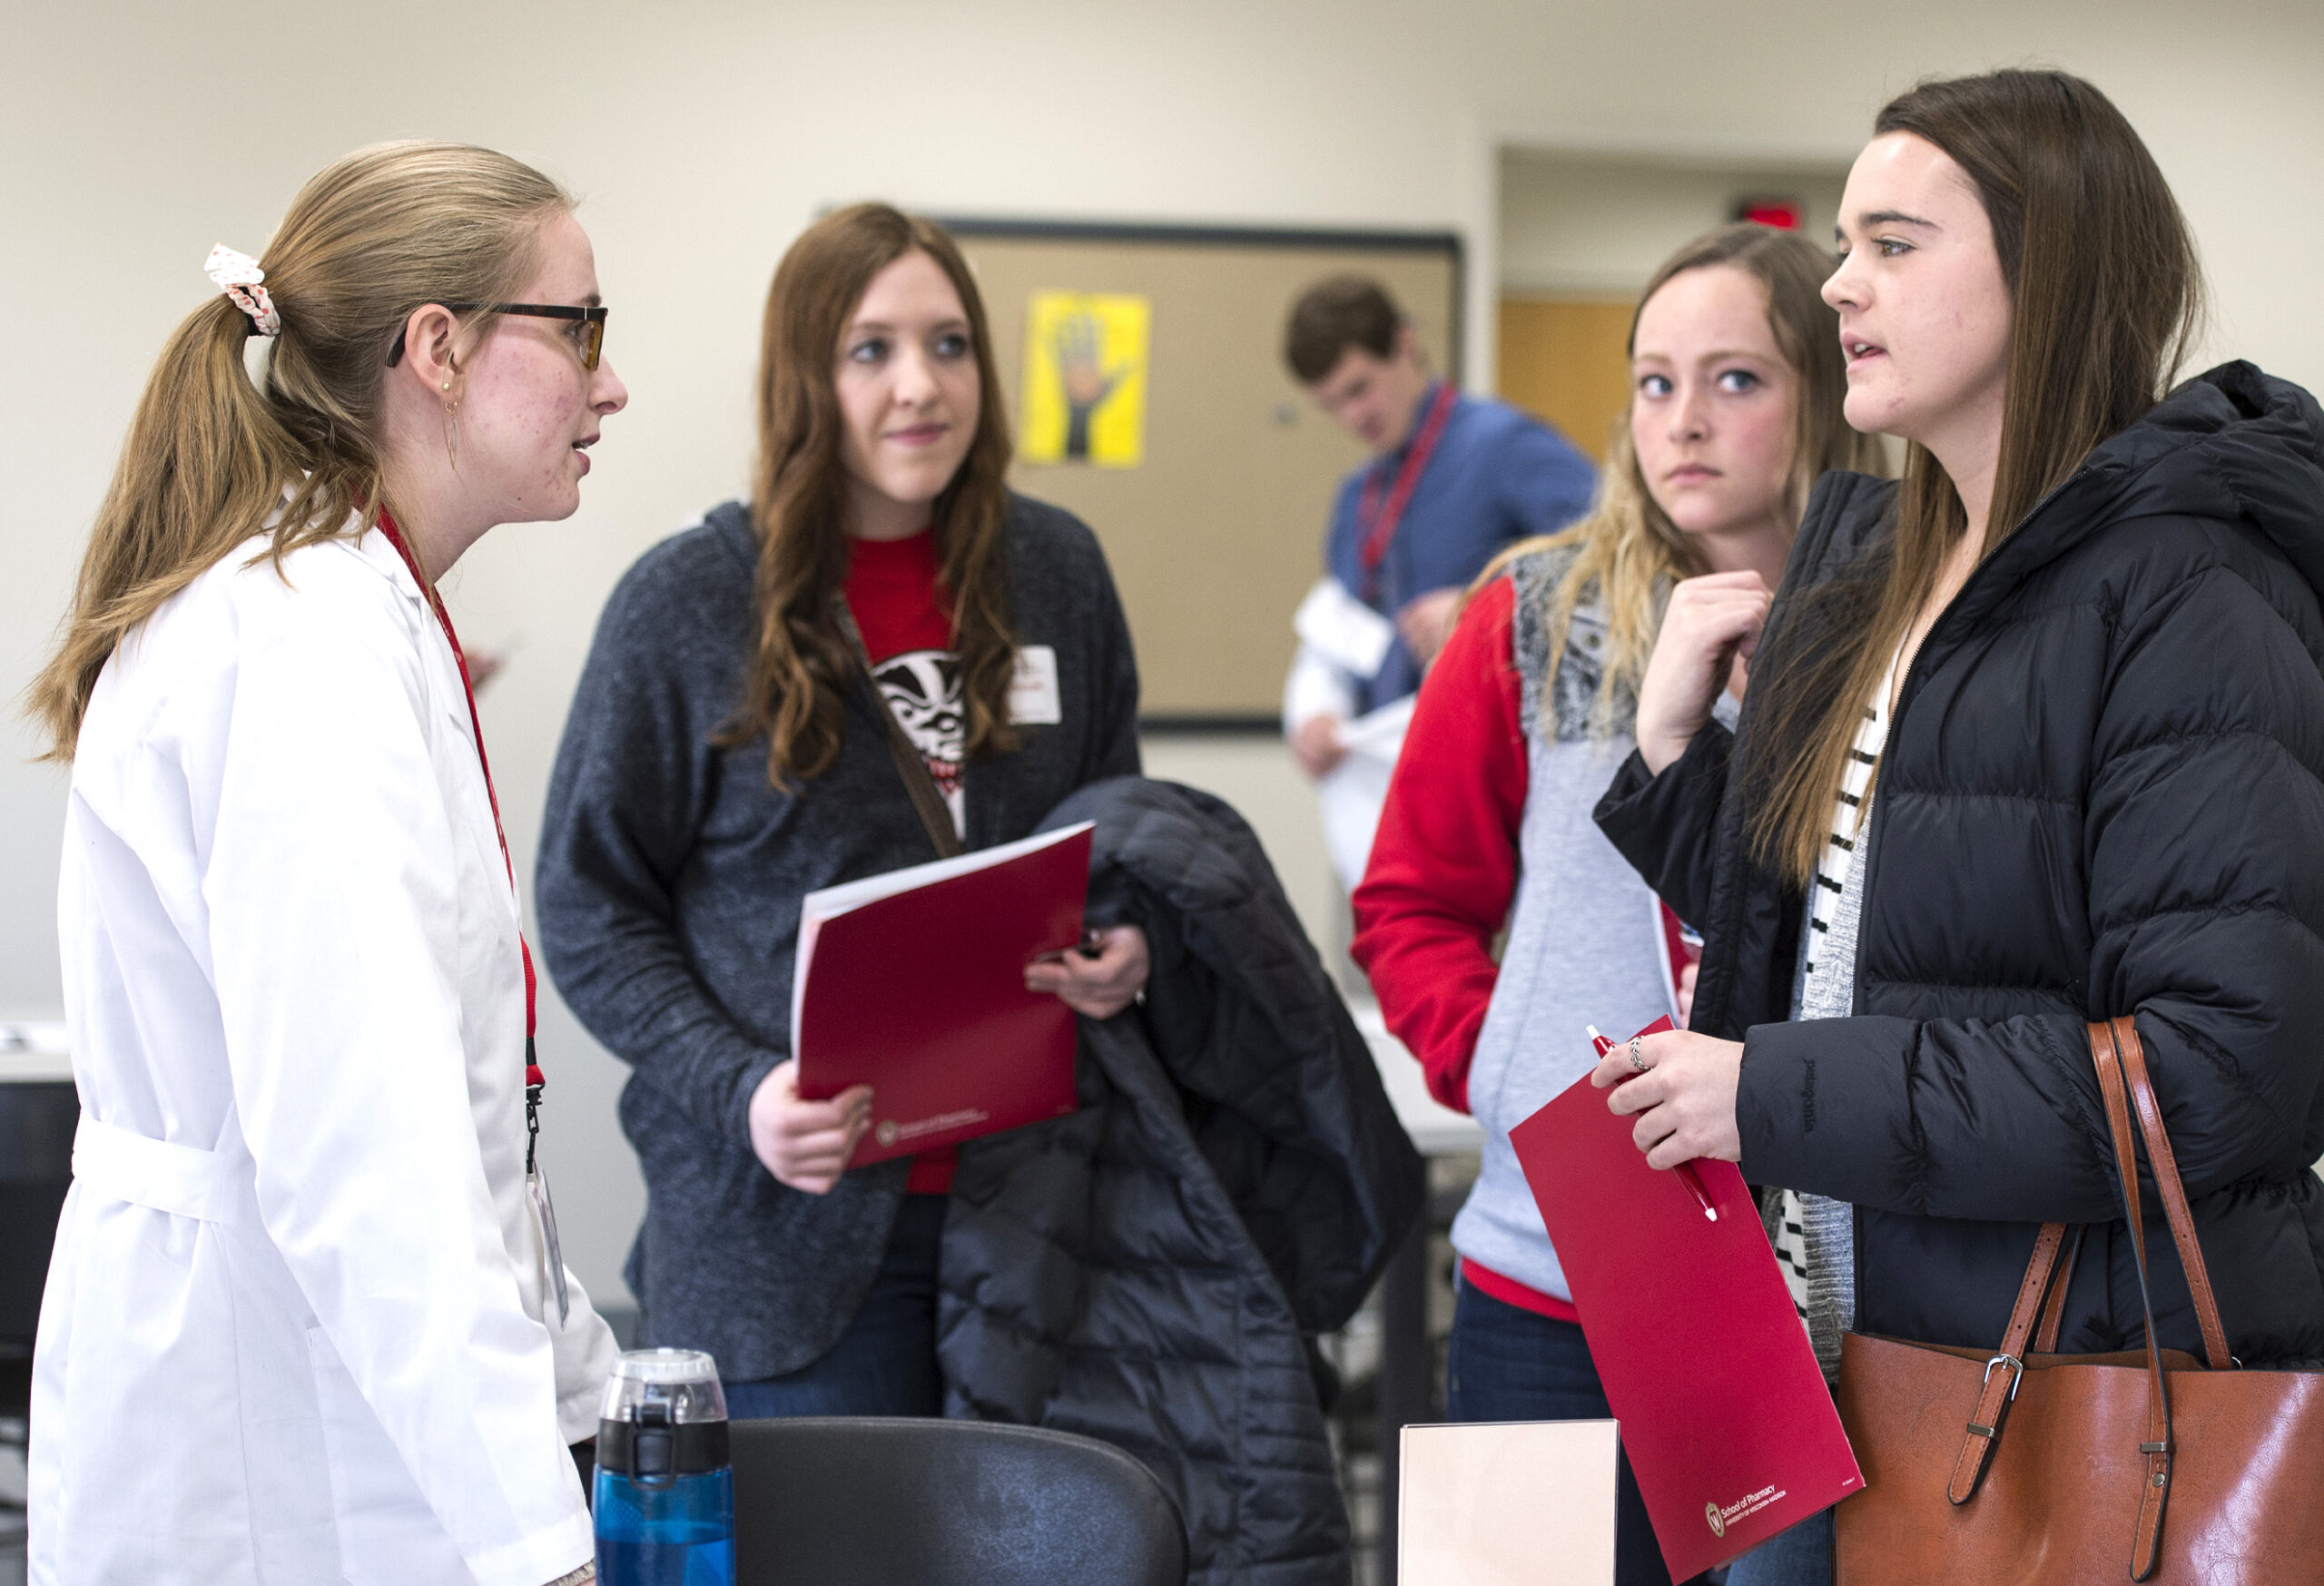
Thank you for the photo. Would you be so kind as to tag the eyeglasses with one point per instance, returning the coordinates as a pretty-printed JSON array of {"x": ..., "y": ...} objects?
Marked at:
[{"x": 591, "y": 340}]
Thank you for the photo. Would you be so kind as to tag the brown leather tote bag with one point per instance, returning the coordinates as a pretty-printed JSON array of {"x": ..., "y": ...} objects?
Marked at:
[{"x": 2029, "y": 1466}]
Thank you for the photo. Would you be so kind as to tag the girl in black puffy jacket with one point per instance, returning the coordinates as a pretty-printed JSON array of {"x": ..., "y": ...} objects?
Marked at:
[{"x": 2034, "y": 737}]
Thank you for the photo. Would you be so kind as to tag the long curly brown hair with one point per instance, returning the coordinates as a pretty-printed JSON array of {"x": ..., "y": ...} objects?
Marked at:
[{"x": 801, "y": 671}]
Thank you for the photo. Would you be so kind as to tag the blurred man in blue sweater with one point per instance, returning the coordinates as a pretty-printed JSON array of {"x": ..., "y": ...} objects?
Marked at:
[{"x": 1453, "y": 479}]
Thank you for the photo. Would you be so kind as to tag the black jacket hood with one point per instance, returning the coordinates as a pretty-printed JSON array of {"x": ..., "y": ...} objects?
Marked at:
[{"x": 2234, "y": 444}]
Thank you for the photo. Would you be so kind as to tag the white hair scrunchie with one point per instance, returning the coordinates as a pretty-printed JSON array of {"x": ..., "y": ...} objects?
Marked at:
[{"x": 237, "y": 276}]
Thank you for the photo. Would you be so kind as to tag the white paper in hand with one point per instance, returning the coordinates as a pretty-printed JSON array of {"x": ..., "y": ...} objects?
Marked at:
[
  {"x": 1353, "y": 791},
  {"x": 1341, "y": 629},
  {"x": 1506, "y": 1503}
]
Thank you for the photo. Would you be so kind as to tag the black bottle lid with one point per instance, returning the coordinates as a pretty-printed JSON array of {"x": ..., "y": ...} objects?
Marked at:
[{"x": 653, "y": 1449}]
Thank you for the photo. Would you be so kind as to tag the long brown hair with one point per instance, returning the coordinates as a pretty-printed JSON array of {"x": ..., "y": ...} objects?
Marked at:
[
  {"x": 212, "y": 458},
  {"x": 2106, "y": 297},
  {"x": 1630, "y": 551},
  {"x": 800, "y": 673}
]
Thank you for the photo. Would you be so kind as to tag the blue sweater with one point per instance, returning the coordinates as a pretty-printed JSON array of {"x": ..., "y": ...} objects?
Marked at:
[{"x": 1497, "y": 477}]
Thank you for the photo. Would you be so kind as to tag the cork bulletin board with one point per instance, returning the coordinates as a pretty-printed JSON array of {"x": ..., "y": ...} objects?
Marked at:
[{"x": 1143, "y": 371}]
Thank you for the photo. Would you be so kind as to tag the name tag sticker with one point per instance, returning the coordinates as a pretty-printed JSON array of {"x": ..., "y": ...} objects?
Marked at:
[{"x": 1033, "y": 698}]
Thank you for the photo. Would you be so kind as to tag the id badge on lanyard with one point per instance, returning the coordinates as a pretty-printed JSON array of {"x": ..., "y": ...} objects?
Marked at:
[
  {"x": 1381, "y": 516},
  {"x": 552, "y": 1252},
  {"x": 536, "y": 1194},
  {"x": 535, "y": 1184}
]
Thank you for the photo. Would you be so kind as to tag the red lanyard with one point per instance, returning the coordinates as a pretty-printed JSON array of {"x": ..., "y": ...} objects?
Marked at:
[
  {"x": 533, "y": 1082},
  {"x": 1384, "y": 517}
]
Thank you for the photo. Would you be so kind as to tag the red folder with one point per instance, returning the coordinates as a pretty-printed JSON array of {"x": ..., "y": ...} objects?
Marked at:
[
  {"x": 1724, "y": 1413},
  {"x": 913, "y": 983}
]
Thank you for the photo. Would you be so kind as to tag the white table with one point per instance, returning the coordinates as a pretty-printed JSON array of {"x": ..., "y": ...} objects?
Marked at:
[
  {"x": 1435, "y": 1128},
  {"x": 33, "y": 1053},
  {"x": 1405, "y": 1358}
]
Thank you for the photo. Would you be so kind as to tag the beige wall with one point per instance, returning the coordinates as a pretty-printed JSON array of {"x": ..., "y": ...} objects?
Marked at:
[
  {"x": 704, "y": 133},
  {"x": 1585, "y": 225}
]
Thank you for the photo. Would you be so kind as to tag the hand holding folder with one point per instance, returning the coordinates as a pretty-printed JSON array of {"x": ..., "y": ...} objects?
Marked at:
[
  {"x": 1724, "y": 1413},
  {"x": 1685, "y": 1170},
  {"x": 913, "y": 982}
]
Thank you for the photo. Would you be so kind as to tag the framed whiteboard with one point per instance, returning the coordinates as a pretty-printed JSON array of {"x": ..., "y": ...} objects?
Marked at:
[{"x": 1202, "y": 465}]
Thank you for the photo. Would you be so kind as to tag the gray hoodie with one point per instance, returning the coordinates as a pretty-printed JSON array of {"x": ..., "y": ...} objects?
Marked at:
[{"x": 668, "y": 889}]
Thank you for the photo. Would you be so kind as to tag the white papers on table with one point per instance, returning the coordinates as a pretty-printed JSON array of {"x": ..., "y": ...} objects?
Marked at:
[
  {"x": 1506, "y": 1503},
  {"x": 1353, "y": 791}
]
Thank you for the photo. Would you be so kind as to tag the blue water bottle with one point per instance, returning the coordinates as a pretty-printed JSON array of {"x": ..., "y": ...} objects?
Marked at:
[{"x": 666, "y": 1485}]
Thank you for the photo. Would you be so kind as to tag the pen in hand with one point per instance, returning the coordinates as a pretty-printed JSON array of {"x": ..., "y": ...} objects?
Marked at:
[{"x": 1685, "y": 1170}]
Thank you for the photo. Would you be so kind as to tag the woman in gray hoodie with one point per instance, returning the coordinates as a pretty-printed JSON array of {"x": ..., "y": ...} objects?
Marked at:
[
  {"x": 1738, "y": 383},
  {"x": 722, "y": 760}
]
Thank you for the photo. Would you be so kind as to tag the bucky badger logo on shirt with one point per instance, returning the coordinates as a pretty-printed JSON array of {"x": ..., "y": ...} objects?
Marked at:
[{"x": 922, "y": 687}]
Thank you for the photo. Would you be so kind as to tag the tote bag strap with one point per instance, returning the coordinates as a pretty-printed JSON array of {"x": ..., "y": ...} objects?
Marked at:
[
  {"x": 2054, "y": 1310},
  {"x": 2114, "y": 1047},
  {"x": 2007, "y": 1369},
  {"x": 2174, "y": 1194},
  {"x": 2126, "y": 1085},
  {"x": 927, "y": 802},
  {"x": 2154, "y": 1495}
]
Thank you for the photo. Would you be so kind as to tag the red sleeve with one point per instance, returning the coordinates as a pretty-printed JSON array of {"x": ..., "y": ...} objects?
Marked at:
[{"x": 1444, "y": 864}]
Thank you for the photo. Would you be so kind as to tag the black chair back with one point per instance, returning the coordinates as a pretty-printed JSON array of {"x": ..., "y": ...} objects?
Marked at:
[
  {"x": 37, "y": 1118},
  {"x": 848, "y": 1501}
]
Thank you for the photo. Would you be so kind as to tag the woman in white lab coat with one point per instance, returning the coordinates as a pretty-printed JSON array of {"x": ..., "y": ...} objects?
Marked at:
[{"x": 305, "y": 1320}]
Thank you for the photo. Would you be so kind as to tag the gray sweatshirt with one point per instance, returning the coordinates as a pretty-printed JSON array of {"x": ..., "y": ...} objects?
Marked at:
[
  {"x": 668, "y": 889},
  {"x": 1585, "y": 934}
]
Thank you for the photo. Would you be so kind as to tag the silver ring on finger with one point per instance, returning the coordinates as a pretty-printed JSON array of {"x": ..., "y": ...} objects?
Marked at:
[{"x": 1640, "y": 1063}]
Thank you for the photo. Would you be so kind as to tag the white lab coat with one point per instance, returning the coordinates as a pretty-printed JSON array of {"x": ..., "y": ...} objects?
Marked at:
[{"x": 295, "y": 1327}]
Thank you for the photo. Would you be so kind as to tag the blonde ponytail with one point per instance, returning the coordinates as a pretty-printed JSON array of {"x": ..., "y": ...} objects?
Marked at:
[{"x": 211, "y": 458}]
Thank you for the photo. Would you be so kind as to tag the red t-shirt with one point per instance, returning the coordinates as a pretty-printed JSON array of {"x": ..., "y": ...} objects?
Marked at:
[{"x": 897, "y": 595}]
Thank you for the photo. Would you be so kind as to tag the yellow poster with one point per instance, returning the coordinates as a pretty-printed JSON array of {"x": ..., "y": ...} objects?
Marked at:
[{"x": 1085, "y": 378}]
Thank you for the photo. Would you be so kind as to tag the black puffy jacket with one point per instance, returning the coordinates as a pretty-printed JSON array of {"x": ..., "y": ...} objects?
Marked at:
[
  {"x": 1142, "y": 1270},
  {"x": 2103, "y": 792}
]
